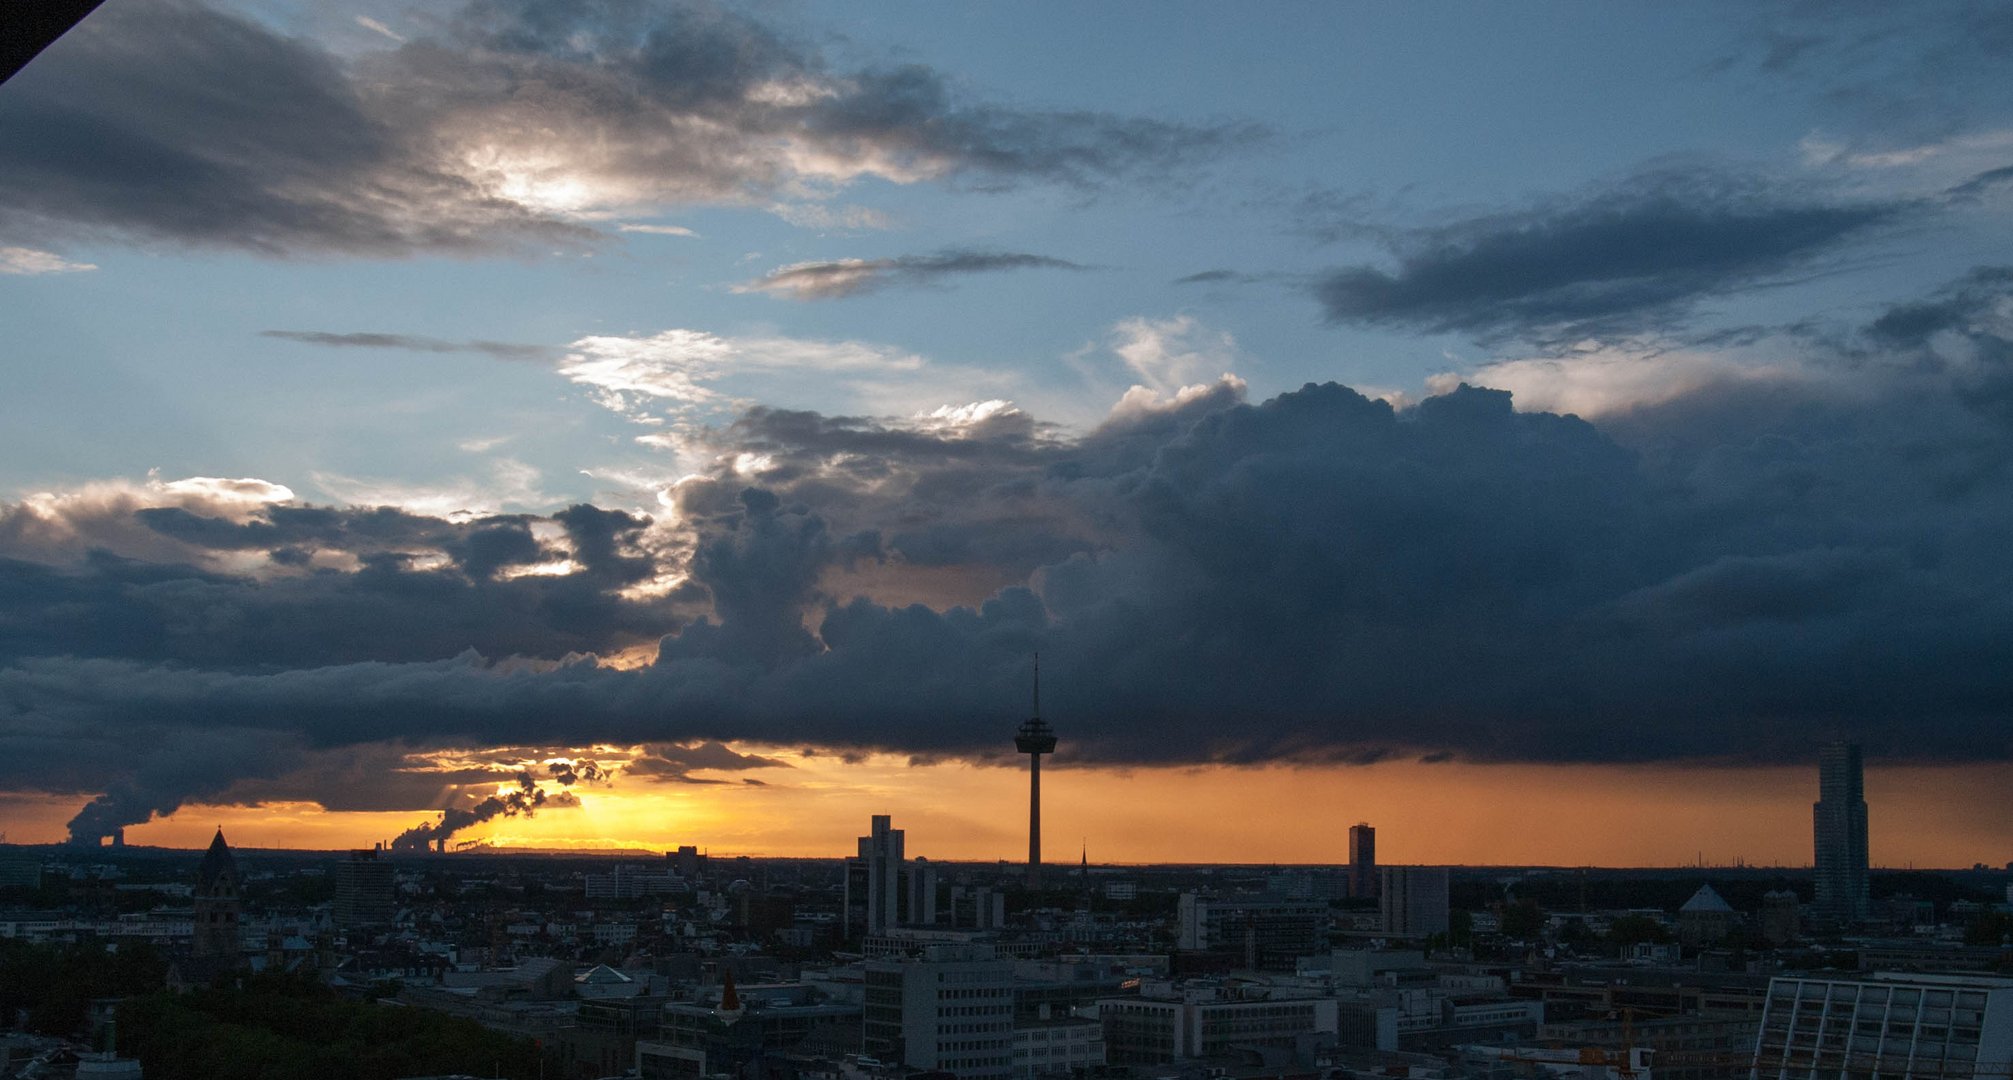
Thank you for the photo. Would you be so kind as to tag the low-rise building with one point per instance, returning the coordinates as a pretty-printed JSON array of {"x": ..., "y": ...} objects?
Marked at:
[
  {"x": 952, "y": 1009},
  {"x": 1271, "y": 933},
  {"x": 1893, "y": 1026},
  {"x": 1171, "y": 1022}
]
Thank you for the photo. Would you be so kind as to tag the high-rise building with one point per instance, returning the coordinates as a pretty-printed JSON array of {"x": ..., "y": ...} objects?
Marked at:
[
  {"x": 1840, "y": 833},
  {"x": 363, "y": 891},
  {"x": 1414, "y": 900},
  {"x": 977, "y": 908},
  {"x": 919, "y": 893},
  {"x": 218, "y": 904},
  {"x": 687, "y": 862},
  {"x": 1893, "y": 1026},
  {"x": 1362, "y": 860},
  {"x": 874, "y": 880}
]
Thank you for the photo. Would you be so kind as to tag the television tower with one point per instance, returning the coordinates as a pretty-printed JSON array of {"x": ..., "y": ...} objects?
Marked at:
[{"x": 1034, "y": 739}]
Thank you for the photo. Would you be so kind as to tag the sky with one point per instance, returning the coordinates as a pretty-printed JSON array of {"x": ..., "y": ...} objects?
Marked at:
[{"x": 626, "y": 424}]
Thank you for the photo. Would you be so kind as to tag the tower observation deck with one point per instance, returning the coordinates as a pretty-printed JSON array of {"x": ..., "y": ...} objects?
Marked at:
[{"x": 1034, "y": 739}]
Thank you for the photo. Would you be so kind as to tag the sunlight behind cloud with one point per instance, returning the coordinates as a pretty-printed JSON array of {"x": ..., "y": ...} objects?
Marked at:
[{"x": 1606, "y": 380}]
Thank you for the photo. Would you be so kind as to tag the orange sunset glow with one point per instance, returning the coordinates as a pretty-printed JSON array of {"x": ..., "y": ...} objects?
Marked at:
[{"x": 1446, "y": 813}]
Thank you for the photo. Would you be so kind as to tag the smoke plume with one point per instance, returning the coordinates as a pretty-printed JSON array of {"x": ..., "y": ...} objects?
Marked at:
[{"x": 525, "y": 800}]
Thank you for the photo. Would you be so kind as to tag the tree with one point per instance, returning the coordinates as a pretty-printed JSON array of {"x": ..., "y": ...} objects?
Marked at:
[
  {"x": 1632, "y": 930},
  {"x": 1523, "y": 919},
  {"x": 1989, "y": 928}
]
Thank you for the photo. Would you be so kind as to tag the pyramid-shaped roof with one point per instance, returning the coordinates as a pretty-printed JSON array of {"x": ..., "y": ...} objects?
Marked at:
[
  {"x": 1705, "y": 902},
  {"x": 217, "y": 861}
]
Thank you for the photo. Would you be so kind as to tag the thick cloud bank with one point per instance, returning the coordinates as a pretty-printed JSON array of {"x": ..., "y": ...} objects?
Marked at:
[{"x": 1732, "y": 574}]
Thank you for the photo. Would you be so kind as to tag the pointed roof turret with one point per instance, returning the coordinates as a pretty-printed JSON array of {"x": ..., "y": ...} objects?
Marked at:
[
  {"x": 217, "y": 861},
  {"x": 730, "y": 1007}
]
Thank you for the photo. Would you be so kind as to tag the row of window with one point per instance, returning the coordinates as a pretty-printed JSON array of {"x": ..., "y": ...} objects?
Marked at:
[
  {"x": 970, "y": 1044},
  {"x": 960, "y": 1064}
]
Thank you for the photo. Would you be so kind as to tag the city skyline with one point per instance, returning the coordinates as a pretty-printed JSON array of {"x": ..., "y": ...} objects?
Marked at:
[
  {"x": 1764, "y": 818},
  {"x": 1536, "y": 432}
]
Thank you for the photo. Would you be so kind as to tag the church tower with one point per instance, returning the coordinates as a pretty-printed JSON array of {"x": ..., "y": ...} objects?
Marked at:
[{"x": 218, "y": 907}]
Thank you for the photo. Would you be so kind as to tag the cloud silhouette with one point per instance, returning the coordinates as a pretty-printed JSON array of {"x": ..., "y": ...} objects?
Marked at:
[
  {"x": 497, "y": 129},
  {"x": 1729, "y": 573},
  {"x": 839, "y": 278},
  {"x": 1625, "y": 258}
]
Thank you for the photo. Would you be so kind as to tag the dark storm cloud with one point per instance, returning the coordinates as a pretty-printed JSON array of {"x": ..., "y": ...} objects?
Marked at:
[
  {"x": 853, "y": 277},
  {"x": 501, "y": 350},
  {"x": 1629, "y": 257},
  {"x": 1973, "y": 307},
  {"x": 1732, "y": 574},
  {"x": 178, "y": 123},
  {"x": 673, "y": 763},
  {"x": 419, "y": 588}
]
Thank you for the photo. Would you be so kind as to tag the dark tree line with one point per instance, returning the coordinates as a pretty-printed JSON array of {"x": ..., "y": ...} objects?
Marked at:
[{"x": 289, "y": 1028}]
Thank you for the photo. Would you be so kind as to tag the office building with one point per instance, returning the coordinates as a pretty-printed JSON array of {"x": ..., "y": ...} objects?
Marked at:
[
  {"x": 629, "y": 881},
  {"x": 874, "y": 880},
  {"x": 919, "y": 893},
  {"x": 1363, "y": 860},
  {"x": 1890, "y": 1026},
  {"x": 729, "y": 1031},
  {"x": 1413, "y": 900},
  {"x": 364, "y": 895},
  {"x": 1840, "y": 833},
  {"x": 951, "y": 1010},
  {"x": 1270, "y": 933},
  {"x": 687, "y": 862},
  {"x": 977, "y": 908},
  {"x": 1168, "y": 1023},
  {"x": 1062, "y": 1045},
  {"x": 1780, "y": 916}
]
